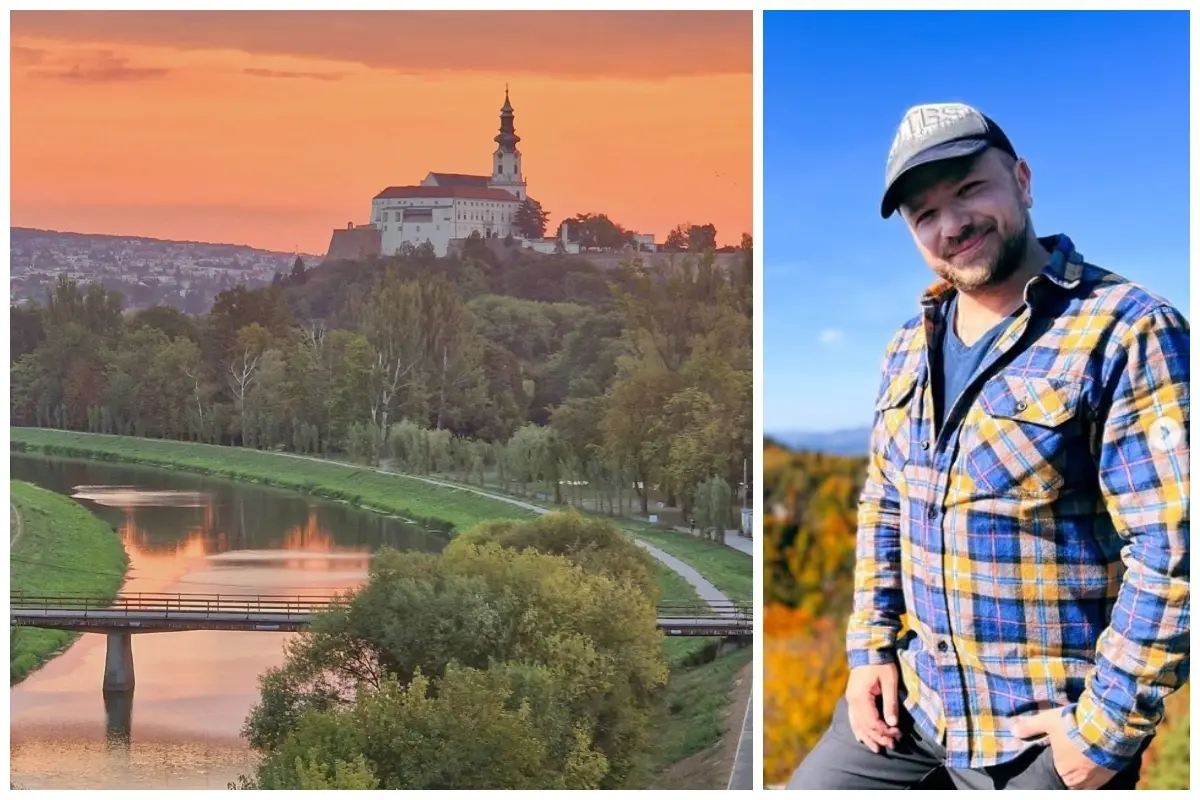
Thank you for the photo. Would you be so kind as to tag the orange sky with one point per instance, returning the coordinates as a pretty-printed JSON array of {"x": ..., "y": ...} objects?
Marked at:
[{"x": 272, "y": 128}]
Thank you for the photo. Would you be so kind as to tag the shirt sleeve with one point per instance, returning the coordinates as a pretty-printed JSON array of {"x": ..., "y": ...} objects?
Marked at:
[
  {"x": 878, "y": 591},
  {"x": 1144, "y": 477}
]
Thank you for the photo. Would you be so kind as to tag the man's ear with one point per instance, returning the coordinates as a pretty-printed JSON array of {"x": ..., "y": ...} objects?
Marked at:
[{"x": 1024, "y": 178}]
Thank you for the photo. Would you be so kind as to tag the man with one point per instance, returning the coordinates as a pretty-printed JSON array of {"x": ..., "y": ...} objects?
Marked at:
[{"x": 1022, "y": 581}]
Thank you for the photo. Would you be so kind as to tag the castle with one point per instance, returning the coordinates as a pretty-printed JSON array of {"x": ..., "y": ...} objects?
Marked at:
[{"x": 447, "y": 206}]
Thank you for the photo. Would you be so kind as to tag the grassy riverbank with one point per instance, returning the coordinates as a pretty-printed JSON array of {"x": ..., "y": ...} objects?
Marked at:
[
  {"x": 57, "y": 546},
  {"x": 696, "y": 715},
  {"x": 433, "y": 506}
]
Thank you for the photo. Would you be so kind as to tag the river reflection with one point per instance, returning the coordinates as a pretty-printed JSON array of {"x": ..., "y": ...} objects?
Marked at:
[{"x": 194, "y": 535}]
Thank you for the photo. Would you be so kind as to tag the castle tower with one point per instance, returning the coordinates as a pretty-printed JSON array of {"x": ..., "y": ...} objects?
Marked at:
[{"x": 506, "y": 161}]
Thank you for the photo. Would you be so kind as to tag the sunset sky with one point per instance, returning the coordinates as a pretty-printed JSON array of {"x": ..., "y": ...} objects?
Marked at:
[{"x": 273, "y": 128}]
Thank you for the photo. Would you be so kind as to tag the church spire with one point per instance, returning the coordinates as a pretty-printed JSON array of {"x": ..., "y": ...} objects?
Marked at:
[{"x": 507, "y": 138}]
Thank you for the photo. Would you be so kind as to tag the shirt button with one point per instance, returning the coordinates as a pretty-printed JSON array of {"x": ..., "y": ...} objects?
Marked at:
[
  {"x": 1022, "y": 405},
  {"x": 924, "y": 445},
  {"x": 933, "y": 513},
  {"x": 942, "y": 646}
]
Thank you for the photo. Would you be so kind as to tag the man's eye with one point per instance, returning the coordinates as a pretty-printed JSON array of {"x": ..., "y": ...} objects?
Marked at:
[{"x": 969, "y": 187}]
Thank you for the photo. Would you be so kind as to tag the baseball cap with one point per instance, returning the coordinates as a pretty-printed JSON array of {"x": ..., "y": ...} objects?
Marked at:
[{"x": 937, "y": 132}]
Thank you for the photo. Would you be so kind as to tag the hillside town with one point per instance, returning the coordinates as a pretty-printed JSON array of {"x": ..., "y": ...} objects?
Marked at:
[{"x": 147, "y": 272}]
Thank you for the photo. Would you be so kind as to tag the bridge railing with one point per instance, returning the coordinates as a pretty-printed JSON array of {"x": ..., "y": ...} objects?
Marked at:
[
  {"x": 162, "y": 602},
  {"x": 292, "y": 604},
  {"x": 713, "y": 610}
]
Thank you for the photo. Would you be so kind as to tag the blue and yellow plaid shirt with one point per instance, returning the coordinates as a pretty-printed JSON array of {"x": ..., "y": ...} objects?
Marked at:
[{"x": 1033, "y": 554}]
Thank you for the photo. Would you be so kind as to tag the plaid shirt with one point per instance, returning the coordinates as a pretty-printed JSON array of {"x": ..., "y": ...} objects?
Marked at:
[{"x": 1033, "y": 554}]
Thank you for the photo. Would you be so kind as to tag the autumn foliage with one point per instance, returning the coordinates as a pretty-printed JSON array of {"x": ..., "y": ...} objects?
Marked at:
[{"x": 808, "y": 546}]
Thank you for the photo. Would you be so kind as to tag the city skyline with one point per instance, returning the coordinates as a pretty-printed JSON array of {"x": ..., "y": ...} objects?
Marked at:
[{"x": 190, "y": 125}]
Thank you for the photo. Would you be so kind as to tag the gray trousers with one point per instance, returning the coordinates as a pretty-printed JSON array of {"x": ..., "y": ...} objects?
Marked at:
[{"x": 840, "y": 762}]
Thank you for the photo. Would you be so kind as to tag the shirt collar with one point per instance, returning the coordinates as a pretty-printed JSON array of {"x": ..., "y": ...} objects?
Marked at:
[{"x": 1064, "y": 270}]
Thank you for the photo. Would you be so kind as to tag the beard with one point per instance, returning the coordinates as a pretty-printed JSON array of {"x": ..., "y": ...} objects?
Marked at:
[{"x": 986, "y": 267}]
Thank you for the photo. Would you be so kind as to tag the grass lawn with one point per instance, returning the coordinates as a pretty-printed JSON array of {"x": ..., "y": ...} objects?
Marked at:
[
  {"x": 434, "y": 506},
  {"x": 694, "y": 711},
  {"x": 731, "y": 571},
  {"x": 60, "y": 547}
]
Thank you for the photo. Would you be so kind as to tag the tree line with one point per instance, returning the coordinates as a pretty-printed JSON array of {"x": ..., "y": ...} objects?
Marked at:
[
  {"x": 809, "y": 531},
  {"x": 541, "y": 374}
]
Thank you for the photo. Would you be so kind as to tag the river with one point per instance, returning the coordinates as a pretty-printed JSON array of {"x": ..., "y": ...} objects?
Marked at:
[{"x": 186, "y": 534}]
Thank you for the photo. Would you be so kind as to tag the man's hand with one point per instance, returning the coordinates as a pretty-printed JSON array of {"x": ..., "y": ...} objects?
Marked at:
[
  {"x": 866, "y": 684},
  {"x": 1077, "y": 770}
]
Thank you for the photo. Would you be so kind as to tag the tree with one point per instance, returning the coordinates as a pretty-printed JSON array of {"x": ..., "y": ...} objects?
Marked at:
[
  {"x": 27, "y": 330},
  {"x": 634, "y": 425},
  {"x": 690, "y": 238},
  {"x": 597, "y": 231},
  {"x": 512, "y": 669},
  {"x": 701, "y": 238},
  {"x": 594, "y": 544},
  {"x": 677, "y": 240},
  {"x": 530, "y": 219},
  {"x": 96, "y": 309},
  {"x": 298, "y": 273},
  {"x": 712, "y": 508},
  {"x": 168, "y": 319}
]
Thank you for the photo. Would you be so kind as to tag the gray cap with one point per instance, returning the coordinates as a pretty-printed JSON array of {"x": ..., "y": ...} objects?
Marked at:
[{"x": 937, "y": 132}]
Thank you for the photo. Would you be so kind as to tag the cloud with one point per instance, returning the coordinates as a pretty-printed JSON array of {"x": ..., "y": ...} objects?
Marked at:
[
  {"x": 102, "y": 67},
  {"x": 28, "y": 56},
  {"x": 639, "y": 45},
  {"x": 829, "y": 336},
  {"x": 292, "y": 74}
]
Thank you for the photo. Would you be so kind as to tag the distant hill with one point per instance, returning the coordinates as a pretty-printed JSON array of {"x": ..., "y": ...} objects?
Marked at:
[
  {"x": 848, "y": 442},
  {"x": 22, "y": 235},
  {"x": 146, "y": 271}
]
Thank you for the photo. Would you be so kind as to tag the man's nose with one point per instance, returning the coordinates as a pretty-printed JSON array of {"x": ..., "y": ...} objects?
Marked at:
[{"x": 954, "y": 222}]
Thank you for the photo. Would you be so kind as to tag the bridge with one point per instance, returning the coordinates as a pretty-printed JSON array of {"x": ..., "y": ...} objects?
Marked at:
[{"x": 130, "y": 614}]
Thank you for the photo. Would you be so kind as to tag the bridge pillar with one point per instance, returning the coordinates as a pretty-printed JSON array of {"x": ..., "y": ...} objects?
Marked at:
[
  {"x": 731, "y": 643},
  {"x": 118, "y": 718},
  {"x": 118, "y": 663}
]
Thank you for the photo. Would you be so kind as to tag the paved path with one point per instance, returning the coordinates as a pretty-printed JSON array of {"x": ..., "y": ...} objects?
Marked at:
[
  {"x": 18, "y": 526},
  {"x": 742, "y": 775},
  {"x": 738, "y": 542}
]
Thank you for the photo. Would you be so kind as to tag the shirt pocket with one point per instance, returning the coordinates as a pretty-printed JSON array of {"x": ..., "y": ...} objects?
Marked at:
[
  {"x": 895, "y": 421},
  {"x": 1022, "y": 435}
]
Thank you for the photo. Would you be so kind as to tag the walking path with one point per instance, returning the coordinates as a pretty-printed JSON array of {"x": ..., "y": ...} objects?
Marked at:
[
  {"x": 742, "y": 774},
  {"x": 18, "y": 526}
]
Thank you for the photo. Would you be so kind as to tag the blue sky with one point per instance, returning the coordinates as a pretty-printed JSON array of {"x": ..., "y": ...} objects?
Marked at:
[{"x": 1096, "y": 102}]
